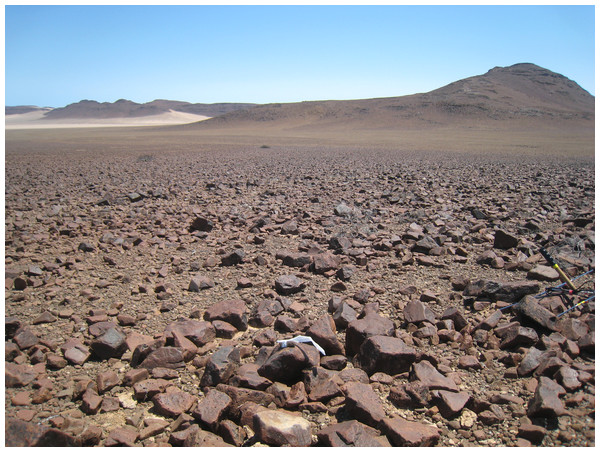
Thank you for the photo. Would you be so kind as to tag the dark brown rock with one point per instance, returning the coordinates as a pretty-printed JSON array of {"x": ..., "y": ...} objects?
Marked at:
[
  {"x": 323, "y": 333},
  {"x": 289, "y": 284},
  {"x": 247, "y": 376},
  {"x": 454, "y": 314},
  {"x": 286, "y": 364},
  {"x": 27, "y": 434},
  {"x": 221, "y": 366},
  {"x": 385, "y": 354},
  {"x": 504, "y": 240},
  {"x": 416, "y": 312},
  {"x": 111, "y": 344},
  {"x": 510, "y": 292},
  {"x": 532, "y": 311},
  {"x": 519, "y": 336},
  {"x": 361, "y": 329},
  {"x": 233, "y": 258}
]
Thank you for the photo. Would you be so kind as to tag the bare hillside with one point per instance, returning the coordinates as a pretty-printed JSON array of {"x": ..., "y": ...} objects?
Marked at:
[{"x": 523, "y": 94}]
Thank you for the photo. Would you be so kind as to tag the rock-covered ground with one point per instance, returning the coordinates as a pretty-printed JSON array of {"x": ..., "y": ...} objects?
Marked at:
[{"x": 145, "y": 294}]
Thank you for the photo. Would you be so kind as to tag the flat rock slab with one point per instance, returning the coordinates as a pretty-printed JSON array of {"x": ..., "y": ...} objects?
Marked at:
[
  {"x": 543, "y": 273},
  {"x": 173, "y": 403},
  {"x": 403, "y": 433},
  {"x": 425, "y": 373}
]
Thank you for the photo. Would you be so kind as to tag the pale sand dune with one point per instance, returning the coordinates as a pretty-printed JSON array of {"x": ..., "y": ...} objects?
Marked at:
[{"x": 33, "y": 120}]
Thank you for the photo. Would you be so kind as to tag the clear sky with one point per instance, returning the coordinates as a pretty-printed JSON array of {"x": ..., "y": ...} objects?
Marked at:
[{"x": 57, "y": 55}]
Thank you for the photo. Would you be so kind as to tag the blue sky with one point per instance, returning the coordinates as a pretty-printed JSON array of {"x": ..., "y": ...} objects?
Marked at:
[{"x": 56, "y": 55}]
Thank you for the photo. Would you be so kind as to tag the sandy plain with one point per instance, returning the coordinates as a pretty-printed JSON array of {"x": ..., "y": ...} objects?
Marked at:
[{"x": 34, "y": 120}]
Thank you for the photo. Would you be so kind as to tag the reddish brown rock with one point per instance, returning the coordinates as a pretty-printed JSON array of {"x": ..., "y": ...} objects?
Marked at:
[
  {"x": 135, "y": 375},
  {"x": 363, "y": 404},
  {"x": 351, "y": 434},
  {"x": 173, "y": 403},
  {"x": 199, "y": 332},
  {"x": 545, "y": 401},
  {"x": 212, "y": 409},
  {"x": 200, "y": 282},
  {"x": 450, "y": 403},
  {"x": 170, "y": 357},
  {"x": 146, "y": 389},
  {"x": 323, "y": 333},
  {"x": 428, "y": 375},
  {"x": 107, "y": 380},
  {"x": 230, "y": 311},
  {"x": 91, "y": 401},
  {"x": 403, "y": 433},
  {"x": 18, "y": 375},
  {"x": 25, "y": 338},
  {"x": 122, "y": 436}
]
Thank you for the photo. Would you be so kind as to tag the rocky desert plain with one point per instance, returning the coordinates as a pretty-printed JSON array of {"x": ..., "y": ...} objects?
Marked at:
[{"x": 150, "y": 272}]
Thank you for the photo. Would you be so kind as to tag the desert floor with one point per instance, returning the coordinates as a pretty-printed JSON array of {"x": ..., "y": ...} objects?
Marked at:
[{"x": 107, "y": 229}]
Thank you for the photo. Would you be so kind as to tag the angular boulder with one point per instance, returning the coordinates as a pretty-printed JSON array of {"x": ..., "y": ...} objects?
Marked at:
[
  {"x": 230, "y": 311},
  {"x": 370, "y": 325},
  {"x": 385, "y": 354}
]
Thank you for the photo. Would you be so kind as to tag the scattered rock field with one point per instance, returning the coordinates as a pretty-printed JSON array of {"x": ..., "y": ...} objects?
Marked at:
[{"x": 146, "y": 294}]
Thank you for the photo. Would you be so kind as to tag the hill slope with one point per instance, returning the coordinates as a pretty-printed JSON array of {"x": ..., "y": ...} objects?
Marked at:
[{"x": 522, "y": 94}]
